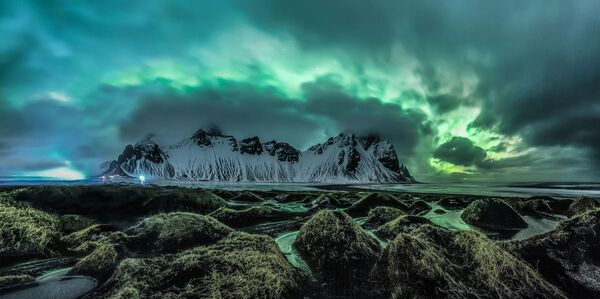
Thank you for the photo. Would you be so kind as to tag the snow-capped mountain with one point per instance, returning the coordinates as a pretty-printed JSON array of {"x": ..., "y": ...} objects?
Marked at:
[{"x": 210, "y": 155}]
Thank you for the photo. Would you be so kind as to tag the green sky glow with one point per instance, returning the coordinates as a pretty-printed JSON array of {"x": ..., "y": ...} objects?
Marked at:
[{"x": 79, "y": 86}]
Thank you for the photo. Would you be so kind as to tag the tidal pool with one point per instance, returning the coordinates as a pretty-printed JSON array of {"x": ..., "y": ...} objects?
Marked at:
[
  {"x": 285, "y": 241},
  {"x": 55, "y": 285}
]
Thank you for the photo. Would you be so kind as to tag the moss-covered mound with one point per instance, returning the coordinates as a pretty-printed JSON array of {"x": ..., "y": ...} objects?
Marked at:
[
  {"x": 328, "y": 201},
  {"x": 293, "y": 197},
  {"x": 419, "y": 207},
  {"x": 401, "y": 224},
  {"x": 432, "y": 262},
  {"x": 382, "y": 215},
  {"x": 569, "y": 256},
  {"x": 372, "y": 200},
  {"x": 225, "y": 194},
  {"x": 535, "y": 206},
  {"x": 558, "y": 206},
  {"x": 239, "y": 266},
  {"x": 493, "y": 214},
  {"x": 85, "y": 240},
  {"x": 250, "y": 216},
  {"x": 582, "y": 205},
  {"x": 338, "y": 250},
  {"x": 176, "y": 231},
  {"x": 119, "y": 201},
  {"x": 27, "y": 230},
  {"x": 72, "y": 223},
  {"x": 453, "y": 203},
  {"x": 100, "y": 263},
  {"x": 15, "y": 280},
  {"x": 247, "y": 196}
]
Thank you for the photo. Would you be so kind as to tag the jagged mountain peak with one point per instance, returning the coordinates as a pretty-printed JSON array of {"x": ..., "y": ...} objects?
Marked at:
[
  {"x": 147, "y": 139},
  {"x": 206, "y": 137},
  {"x": 214, "y": 131},
  {"x": 251, "y": 146},
  {"x": 282, "y": 150},
  {"x": 210, "y": 155}
]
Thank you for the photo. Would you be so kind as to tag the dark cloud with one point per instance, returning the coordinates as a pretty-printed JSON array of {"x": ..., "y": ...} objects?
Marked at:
[
  {"x": 44, "y": 133},
  {"x": 460, "y": 151},
  {"x": 245, "y": 110},
  {"x": 500, "y": 147},
  {"x": 237, "y": 108},
  {"x": 58, "y": 44},
  {"x": 537, "y": 62},
  {"x": 343, "y": 111},
  {"x": 517, "y": 161},
  {"x": 463, "y": 151},
  {"x": 444, "y": 103}
]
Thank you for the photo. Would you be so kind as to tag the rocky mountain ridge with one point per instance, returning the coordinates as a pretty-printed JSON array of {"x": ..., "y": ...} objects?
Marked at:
[{"x": 214, "y": 156}]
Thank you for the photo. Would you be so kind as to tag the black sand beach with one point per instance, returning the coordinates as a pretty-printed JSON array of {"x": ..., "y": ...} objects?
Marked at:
[{"x": 126, "y": 241}]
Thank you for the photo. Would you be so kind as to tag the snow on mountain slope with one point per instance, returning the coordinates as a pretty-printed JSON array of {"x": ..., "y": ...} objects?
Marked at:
[{"x": 211, "y": 155}]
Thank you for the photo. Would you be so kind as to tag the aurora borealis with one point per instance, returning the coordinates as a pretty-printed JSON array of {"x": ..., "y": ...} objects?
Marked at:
[{"x": 466, "y": 90}]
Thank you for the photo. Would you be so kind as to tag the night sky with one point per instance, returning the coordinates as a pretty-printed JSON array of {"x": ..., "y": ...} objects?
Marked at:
[{"x": 466, "y": 90}]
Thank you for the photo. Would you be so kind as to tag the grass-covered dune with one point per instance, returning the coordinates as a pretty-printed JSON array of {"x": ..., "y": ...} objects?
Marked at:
[
  {"x": 251, "y": 215},
  {"x": 339, "y": 251},
  {"x": 119, "y": 201},
  {"x": 402, "y": 224},
  {"x": 569, "y": 256},
  {"x": 493, "y": 214},
  {"x": 372, "y": 200},
  {"x": 382, "y": 215},
  {"x": 157, "y": 242},
  {"x": 239, "y": 266},
  {"x": 27, "y": 231},
  {"x": 172, "y": 232},
  {"x": 432, "y": 262}
]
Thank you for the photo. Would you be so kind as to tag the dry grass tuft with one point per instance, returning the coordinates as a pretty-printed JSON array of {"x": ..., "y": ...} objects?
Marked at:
[
  {"x": 401, "y": 224},
  {"x": 175, "y": 231},
  {"x": 14, "y": 280},
  {"x": 249, "y": 216},
  {"x": 382, "y": 215},
  {"x": 100, "y": 263},
  {"x": 25, "y": 229}
]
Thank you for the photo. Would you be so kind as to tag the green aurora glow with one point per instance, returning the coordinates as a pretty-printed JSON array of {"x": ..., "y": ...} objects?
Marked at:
[{"x": 79, "y": 80}]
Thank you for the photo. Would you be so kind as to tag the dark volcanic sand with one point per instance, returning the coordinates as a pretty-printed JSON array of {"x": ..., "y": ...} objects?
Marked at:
[{"x": 277, "y": 214}]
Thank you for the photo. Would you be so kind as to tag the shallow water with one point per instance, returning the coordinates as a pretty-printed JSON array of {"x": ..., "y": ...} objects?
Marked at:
[
  {"x": 452, "y": 220},
  {"x": 285, "y": 241},
  {"x": 535, "y": 226},
  {"x": 558, "y": 190},
  {"x": 55, "y": 285},
  {"x": 502, "y": 190}
]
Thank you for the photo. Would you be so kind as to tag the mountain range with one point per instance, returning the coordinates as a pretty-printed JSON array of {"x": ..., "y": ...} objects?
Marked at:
[{"x": 213, "y": 156}]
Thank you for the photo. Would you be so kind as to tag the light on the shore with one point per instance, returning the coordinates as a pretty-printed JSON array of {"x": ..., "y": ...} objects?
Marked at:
[{"x": 142, "y": 179}]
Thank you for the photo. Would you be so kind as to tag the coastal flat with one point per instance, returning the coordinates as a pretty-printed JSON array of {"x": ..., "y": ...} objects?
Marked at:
[{"x": 319, "y": 242}]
